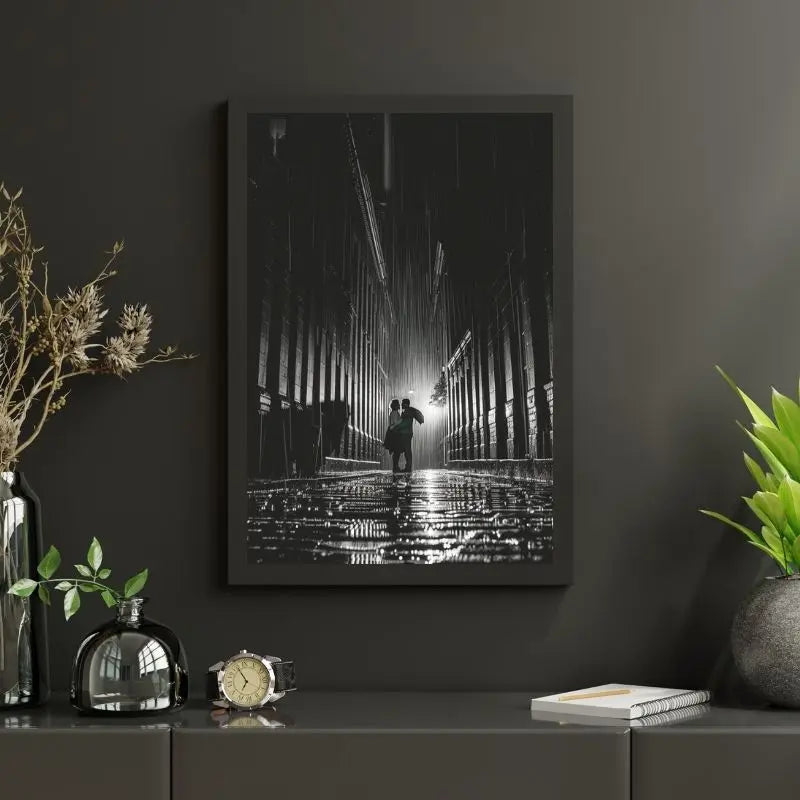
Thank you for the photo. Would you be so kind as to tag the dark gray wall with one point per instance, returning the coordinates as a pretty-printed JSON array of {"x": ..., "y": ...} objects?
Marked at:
[{"x": 687, "y": 182}]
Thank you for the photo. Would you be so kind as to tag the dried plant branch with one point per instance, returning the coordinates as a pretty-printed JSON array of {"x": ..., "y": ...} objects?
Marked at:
[{"x": 47, "y": 339}]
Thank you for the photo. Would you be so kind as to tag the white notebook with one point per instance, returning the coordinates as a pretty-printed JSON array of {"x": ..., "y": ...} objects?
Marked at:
[{"x": 620, "y": 701}]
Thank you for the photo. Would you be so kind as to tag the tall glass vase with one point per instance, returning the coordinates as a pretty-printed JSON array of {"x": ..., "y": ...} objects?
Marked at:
[{"x": 24, "y": 671}]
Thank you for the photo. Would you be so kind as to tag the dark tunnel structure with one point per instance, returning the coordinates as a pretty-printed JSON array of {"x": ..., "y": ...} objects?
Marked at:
[{"x": 400, "y": 255}]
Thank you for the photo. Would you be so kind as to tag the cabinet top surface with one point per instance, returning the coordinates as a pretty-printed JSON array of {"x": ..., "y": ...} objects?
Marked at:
[
  {"x": 324, "y": 711},
  {"x": 350, "y": 712}
]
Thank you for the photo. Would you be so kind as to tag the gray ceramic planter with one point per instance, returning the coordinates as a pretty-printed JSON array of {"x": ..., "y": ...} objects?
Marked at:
[{"x": 765, "y": 640}]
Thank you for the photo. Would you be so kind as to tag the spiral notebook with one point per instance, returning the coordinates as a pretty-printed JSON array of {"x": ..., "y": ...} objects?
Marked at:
[{"x": 620, "y": 701}]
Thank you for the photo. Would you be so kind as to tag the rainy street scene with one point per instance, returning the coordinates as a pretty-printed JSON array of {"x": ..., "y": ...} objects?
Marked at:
[{"x": 400, "y": 338}]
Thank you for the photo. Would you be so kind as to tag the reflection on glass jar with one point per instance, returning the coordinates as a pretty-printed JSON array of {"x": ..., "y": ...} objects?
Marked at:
[{"x": 131, "y": 665}]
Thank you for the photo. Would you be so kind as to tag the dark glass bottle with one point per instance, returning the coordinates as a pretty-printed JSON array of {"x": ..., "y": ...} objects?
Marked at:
[
  {"x": 130, "y": 666},
  {"x": 24, "y": 678}
]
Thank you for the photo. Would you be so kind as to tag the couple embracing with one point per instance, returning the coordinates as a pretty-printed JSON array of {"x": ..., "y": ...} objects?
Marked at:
[{"x": 400, "y": 432}]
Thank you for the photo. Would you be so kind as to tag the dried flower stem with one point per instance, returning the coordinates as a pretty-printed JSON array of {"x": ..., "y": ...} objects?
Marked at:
[{"x": 46, "y": 340}]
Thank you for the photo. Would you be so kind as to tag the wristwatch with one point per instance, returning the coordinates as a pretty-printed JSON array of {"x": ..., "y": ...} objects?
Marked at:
[{"x": 247, "y": 681}]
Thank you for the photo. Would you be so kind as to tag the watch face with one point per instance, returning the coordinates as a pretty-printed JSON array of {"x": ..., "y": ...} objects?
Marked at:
[{"x": 247, "y": 681}]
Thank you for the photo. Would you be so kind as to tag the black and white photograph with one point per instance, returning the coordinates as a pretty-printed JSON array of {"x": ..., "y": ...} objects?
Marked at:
[{"x": 400, "y": 343}]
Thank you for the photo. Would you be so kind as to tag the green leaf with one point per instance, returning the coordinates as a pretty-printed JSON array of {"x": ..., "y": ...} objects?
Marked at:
[
  {"x": 787, "y": 415},
  {"x": 788, "y": 534},
  {"x": 44, "y": 594},
  {"x": 84, "y": 570},
  {"x": 23, "y": 587},
  {"x": 773, "y": 484},
  {"x": 775, "y": 556},
  {"x": 72, "y": 602},
  {"x": 789, "y": 494},
  {"x": 772, "y": 462},
  {"x": 63, "y": 586},
  {"x": 108, "y": 598},
  {"x": 95, "y": 555},
  {"x": 775, "y": 543},
  {"x": 781, "y": 447},
  {"x": 88, "y": 587},
  {"x": 758, "y": 511},
  {"x": 751, "y": 535},
  {"x": 104, "y": 574},
  {"x": 135, "y": 584},
  {"x": 772, "y": 509},
  {"x": 796, "y": 551},
  {"x": 758, "y": 474},
  {"x": 49, "y": 564},
  {"x": 759, "y": 417}
]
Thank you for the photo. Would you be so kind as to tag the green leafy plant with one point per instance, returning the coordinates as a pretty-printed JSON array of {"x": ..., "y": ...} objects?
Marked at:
[
  {"x": 91, "y": 578},
  {"x": 776, "y": 503}
]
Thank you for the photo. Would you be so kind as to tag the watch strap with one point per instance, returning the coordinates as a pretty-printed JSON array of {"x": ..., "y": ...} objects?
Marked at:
[
  {"x": 284, "y": 676},
  {"x": 212, "y": 684}
]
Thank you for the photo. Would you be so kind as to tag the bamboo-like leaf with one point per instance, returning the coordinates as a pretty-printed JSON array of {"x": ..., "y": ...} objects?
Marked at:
[
  {"x": 789, "y": 494},
  {"x": 758, "y": 474},
  {"x": 23, "y": 587},
  {"x": 775, "y": 544},
  {"x": 758, "y": 511},
  {"x": 95, "y": 555},
  {"x": 751, "y": 535},
  {"x": 772, "y": 462},
  {"x": 770, "y": 504},
  {"x": 72, "y": 602},
  {"x": 796, "y": 551},
  {"x": 756, "y": 413},
  {"x": 787, "y": 415},
  {"x": 788, "y": 534},
  {"x": 49, "y": 564},
  {"x": 781, "y": 447},
  {"x": 776, "y": 556},
  {"x": 773, "y": 484}
]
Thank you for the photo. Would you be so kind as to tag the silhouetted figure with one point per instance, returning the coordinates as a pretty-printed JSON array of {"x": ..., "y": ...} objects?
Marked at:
[
  {"x": 404, "y": 432},
  {"x": 391, "y": 441}
]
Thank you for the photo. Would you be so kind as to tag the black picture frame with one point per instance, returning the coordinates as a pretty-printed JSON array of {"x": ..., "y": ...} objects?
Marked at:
[{"x": 239, "y": 571}]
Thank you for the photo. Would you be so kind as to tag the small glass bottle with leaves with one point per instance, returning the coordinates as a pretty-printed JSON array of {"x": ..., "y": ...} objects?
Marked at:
[{"x": 130, "y": 665}]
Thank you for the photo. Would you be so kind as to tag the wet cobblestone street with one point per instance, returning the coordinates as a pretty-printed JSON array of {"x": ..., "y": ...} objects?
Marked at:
[{"x": 438, "y": 516}]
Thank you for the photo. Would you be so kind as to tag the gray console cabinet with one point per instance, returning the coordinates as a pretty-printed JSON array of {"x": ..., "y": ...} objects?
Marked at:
[
  {"x": 393, "y": 745},
  {"x": 55, "y": 756},
  {"x": 397, "y": 746},
  {"x": 737, "y": 754}
]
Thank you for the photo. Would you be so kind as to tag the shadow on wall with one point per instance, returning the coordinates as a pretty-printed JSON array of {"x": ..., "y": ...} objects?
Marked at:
[{"x": 704, "y": 648}]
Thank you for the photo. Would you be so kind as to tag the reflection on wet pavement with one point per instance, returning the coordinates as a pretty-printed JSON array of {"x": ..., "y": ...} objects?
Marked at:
[{"x": 438, "y": 516}]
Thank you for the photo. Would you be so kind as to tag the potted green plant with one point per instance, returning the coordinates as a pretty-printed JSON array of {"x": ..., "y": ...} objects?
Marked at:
[{"x": 765, "y": 636}]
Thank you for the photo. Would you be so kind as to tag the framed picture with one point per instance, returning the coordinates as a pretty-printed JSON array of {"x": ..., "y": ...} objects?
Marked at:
[{"x": 399, "y": 341}]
